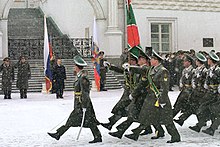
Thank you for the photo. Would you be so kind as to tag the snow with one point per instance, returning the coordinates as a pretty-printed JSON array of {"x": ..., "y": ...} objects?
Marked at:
[{"x": 25, "y": 123}]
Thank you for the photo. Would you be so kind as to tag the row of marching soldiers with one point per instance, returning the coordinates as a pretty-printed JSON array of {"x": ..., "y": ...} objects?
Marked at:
[{"x": 145, "y": 98}]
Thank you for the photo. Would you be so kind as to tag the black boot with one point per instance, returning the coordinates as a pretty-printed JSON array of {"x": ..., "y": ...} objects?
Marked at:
[
  {"x": 107, "y": 125},
  {"x": 147, "y": 131},
  {"x": 61, "y": 94},
  {"x": 21, "y": 93},
  {"x": 117, "y": 134},
  {"x": 54, "y": 135},
  {"x": 132, "y": 136},
  {"x": 209, "y": 131},
  {"x": 96, "y": 140},
  {"x": 173, "y": 140},
  {"x": 9, "y": 94},
  {"x": 195, "y": 128},
  {"x": 25, "y": 93},
  {"x": 158, "y": 135},
  {"x": 5, "y": 94}
]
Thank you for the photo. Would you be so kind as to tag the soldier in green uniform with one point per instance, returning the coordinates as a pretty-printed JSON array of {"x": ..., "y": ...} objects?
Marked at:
[
  {"x": 157, "y": 109},
  {"x": 7, "y": 77},
  {"x": 103, "y": 71},
  {"x": 198, "y": 81},
  {"x": 137, "y": 96},
  {"x": 185, "y": 86},
  {"x": 209, "y": 110},
  {"x": 24, "y": 74},
  {"x": 131, "y": 80},
  {"x": 82, "y": 104}
]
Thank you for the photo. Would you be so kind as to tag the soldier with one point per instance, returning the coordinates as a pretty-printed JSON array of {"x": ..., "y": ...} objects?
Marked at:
[
  {"x": 59, "y": 75},
  {"x": 137, "y": 97},
  {"x": 157, "y": 108},
  {"x": 24, "y": 74},
  {"x": 178, "y": 62},
  {"x": 103, "y": 71},
  {"x": 210, "y": 109},
  {"x": 82, "y": 105},
  {"x": 198, "y": 81},
  {"x": 7, "y": 77},
  {"x": 131, "y": 80},
  {"x": 185, "y": 86}
]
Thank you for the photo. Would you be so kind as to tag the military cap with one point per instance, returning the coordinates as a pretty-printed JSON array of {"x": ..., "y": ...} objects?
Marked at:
[
  {"x": 156, "y": 55},
  {"x": 22, "y": 57},
  {"x": 187, "y": 57},
  {"x": 213, "y": 56},
  {"x": 143, "y": 54},
  {"x": 79, "y": 61},
  {"x": 133, "y": 57},
  {"x": 201, "y": 57},
  {"x": 6, "y": 59}
]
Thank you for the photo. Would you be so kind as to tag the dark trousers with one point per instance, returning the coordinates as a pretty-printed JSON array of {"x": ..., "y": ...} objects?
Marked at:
[
  {"x": 113, "y": 119},
  {"x": 59, "y": 93},
  {"x": 23, "y": 93},
  {"x": 94, "y": 129},
  {"x": 7, "y": 94}
]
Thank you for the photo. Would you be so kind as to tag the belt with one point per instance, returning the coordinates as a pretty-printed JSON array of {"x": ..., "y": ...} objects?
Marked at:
[
  {"x": 144, "y": 79},
  {"x": 187, "y": 85},
  {"x": 78, "y": 96}
]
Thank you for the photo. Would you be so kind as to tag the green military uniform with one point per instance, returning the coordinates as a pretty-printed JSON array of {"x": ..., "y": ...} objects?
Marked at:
[
  {"x": 196, "y": 98},
  {"x": 210, "y": 109},
  {"x": 181, "y": 103},
  {"x": 121, "y": 108},
  {"x": 7, "y": 78},
  {"x": 157, "y": 109},
  {"x": 103, "y": 71},
  {"x": 82, "y": 102},
  {"x": 24, "y": 74}
]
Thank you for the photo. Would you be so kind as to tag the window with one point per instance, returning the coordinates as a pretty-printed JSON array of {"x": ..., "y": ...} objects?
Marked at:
[
  {"x": 208, "y": 42},
  {"x": 161, "y": 37}
]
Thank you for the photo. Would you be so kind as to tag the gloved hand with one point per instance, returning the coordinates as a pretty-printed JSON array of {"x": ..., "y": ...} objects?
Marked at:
[
  {"x": 106, "y": 63},
  {"x": 206, "y": 86},
  {"x": 126, "y": 66},
  {"x": 193, "y": 84},
  {"x": 219, "y": 89},
  {"x": 162, "y": 105},
  {"x": 130, "y": 97},
  {"x": 84, "y": 110},
  {"x": 187, "y": 75},
  {"x": 211, "y": 74}
]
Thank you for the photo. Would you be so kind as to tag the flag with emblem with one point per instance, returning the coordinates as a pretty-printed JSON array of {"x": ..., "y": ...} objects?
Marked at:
[
  {"x": 95, "y": 54},
  {"x": 47, "y": 57},
  {"x": 133, "y": 38}
]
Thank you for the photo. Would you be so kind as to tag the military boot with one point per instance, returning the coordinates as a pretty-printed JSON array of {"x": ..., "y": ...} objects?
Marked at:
[
  {"x": 147, "y": 131},
  {"x": 209, "y": 131},
  {"x": 133, "y": 136},
  {"x": 158, "y": 135},
  {"x": 9, "y": 94},
  {"x": 96, "y": 140},
  {"x": 25, "y": 93},
  {"x": 21, "y": 93},
  {"x": 97, "y": 134},
  {"x": 5, "y": 94},
  {"x": 195, "y": 128},
  {"x": 54, "y": 135},
  {"x": 117, "y": 134},
  {"x": 107, "y": 125},
  {"x": 179, "y": 121}
]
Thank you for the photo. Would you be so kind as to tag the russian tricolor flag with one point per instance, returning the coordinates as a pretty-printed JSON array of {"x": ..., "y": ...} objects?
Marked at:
[{"x": 47, "y": 54}]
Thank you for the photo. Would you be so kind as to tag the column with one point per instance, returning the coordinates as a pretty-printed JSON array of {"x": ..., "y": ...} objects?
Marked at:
[
  {"x": 3, "y": 38},
  {"x": 113, "y": 34}
]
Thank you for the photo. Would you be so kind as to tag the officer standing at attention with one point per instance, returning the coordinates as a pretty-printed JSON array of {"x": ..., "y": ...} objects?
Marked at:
[
  {"x": 82, "y": 105},
  {"x": 103, "y": 70},
  {"x": 7, "y": 77}
]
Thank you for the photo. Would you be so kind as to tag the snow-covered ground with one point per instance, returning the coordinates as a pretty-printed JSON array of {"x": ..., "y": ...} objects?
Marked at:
[{"x": 25, "y": 123}]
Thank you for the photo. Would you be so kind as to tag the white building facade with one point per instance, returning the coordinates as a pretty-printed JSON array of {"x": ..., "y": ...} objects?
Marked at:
[{"x": 166, "y": 25}]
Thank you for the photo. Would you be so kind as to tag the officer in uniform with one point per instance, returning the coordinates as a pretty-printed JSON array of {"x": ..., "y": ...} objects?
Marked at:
[
  {"x": 7, "y": 77},
  {"x": 209, "y": 110},
  {"x": 24, "y": 74},
  {"x": 131, "y": 80},
  {"x": 185, "y": 86},
  {"x": 157, "y": 109},
  {"x": 198, "y": 92},
  {"x": 59, "y": 75},
  {"x": 103, "y": 71},
  {"x": 82, "y": 105},
  {"x": 137, "y": 96}
]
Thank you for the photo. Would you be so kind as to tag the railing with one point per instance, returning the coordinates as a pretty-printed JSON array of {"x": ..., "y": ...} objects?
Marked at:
[{"x": 62, "y": 47}]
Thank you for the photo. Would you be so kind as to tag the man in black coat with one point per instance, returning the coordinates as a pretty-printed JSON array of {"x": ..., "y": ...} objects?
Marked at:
[
  {"x": 59, "y": 75},
  {"x": 82, "y": 105}
]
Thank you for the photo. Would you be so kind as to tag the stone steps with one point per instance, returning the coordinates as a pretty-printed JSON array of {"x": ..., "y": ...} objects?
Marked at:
[{"x": 37, "y": 76}]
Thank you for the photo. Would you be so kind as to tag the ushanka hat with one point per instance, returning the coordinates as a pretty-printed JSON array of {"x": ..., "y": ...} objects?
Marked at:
[
  {"x": 79, "y": 61},
  {"x": 201, "y": 57}
]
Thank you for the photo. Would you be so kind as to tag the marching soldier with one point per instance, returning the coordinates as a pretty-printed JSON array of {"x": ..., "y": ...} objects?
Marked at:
[
  {"x": 7, "y": 77},
  {"x": 103, "y": 71},
  {"x": 181, "y": 103},
  {"x": 157, "y": 109},
  {"x": 24, "y": 74},
  {"x": 210, "y": 109},
  {"x": 120, "y": 109},
  {"x": 59, "y": 75},
  {"x": 82, "y": 105},
  {"x": 137, "y": 97},
  {"x": 198, "y": 81}
]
